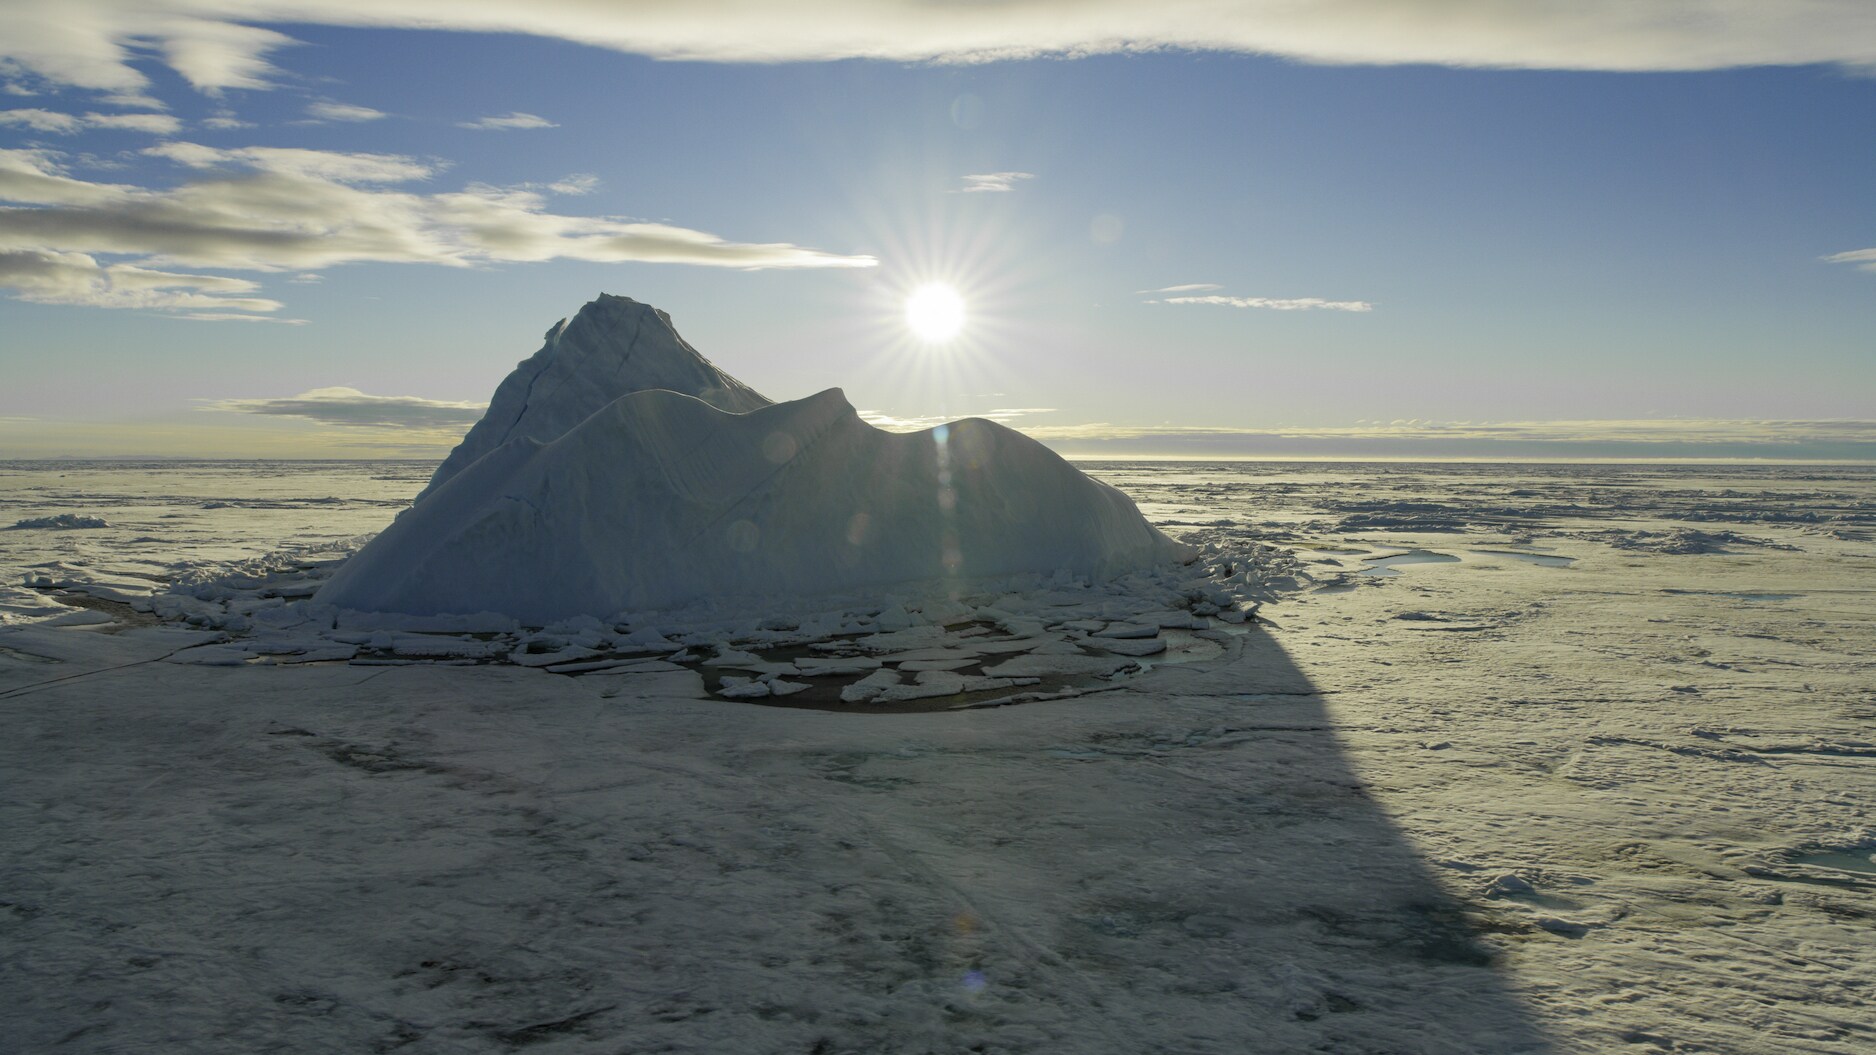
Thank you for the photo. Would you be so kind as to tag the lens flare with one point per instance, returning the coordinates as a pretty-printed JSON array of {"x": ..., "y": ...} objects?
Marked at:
[{"x": 934, "y": 312}]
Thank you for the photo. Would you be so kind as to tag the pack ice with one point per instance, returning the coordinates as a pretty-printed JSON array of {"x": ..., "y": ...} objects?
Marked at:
[{"x": 617, "y": 470}]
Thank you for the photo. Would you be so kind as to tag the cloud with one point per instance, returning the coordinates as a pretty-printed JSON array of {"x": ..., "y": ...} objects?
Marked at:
[
  {"x": 508, "y": 122},
  {"x": 993, "y": 182},
  {"x": 281, "y": 209},
  {"x": 223, "y": 316},
  {"x": 1864, "y": 259},
  {"x": 1191, "y": 287},
  {"x": 45, "y": 277},
  {"x": 335, "y": 166},
  {"x": 154, "y": 124},
  {"x": 328, "y": 111},
  {"x": 225, "y": 119},
  {"x": 218, "y": 44},
  {"x": 70, "y": 124},
  {"x": 41, "y": 121},
  {"x": 349, "y": 406},
  {"x": 1659, "y": 439},
  {"x": 891, "y": 423},
  {"x": 1273, "y": 304},
  {"x": 578, "y": 183}
]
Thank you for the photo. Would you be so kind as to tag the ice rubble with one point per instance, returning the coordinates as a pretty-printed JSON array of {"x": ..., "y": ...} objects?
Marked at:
[
  {"x": 60, "y": 522},
  {"x": 618, "y": 471}
]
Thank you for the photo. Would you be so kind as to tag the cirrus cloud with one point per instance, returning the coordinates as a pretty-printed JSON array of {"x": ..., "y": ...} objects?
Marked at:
[
  {"x": 340, "y": 405},
  {"x": 1268, "y": 303},
  {"x": 1663, "y": 439},
  {"x": 70, "y": 124},
  {"x": 993, "y": 182},
  {"x": 1864, "y": 259},
  {"x": 220, "y": 44},
  {"x": 285, "y": 209},
  {"x": 347, "y": 112},
  {"x": 51, "y": 277},
  {"x": 507, "y": 122}
]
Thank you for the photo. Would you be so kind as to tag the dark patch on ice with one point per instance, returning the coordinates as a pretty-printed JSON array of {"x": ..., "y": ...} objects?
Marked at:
[
  {"x": 1436, "y": 932},
  {"x": 385, "y": 759},
  {"x": 1738, "y": 595},
  {"x": 1549, "y": 560},
  {"x": 307, "y": 1002},
  {"x": 535, "y": 1033},
  {"x": 119, "y": 611},
  {"x": 60, "y": 522}
]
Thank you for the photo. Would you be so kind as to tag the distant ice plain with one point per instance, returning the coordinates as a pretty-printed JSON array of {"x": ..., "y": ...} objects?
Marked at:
[{"x": 1494, "y": 802}]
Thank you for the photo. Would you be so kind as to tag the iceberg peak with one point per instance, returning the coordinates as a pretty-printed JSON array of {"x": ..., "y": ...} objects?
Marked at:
[{"x": 613, "y": 346}]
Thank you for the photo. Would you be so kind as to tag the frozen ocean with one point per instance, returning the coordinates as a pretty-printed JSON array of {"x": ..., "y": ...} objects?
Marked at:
[{"x": 1417, "y": 758}]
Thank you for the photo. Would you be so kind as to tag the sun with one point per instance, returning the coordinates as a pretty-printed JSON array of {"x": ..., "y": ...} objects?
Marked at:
[{"x": 934, "y": 312}]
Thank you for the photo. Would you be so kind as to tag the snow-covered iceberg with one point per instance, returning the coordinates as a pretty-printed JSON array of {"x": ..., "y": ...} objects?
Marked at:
[
  {"x": 613, "y": 347},
  {"x": 660, "y": 498}
]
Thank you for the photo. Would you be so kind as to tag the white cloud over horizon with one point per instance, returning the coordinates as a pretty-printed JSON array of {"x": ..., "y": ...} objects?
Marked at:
[
  {"x": 1667, "y": 438},
  {"x": 993, "y": 182},
  {"x": 507, "y": 122},
  {"x": 229, "y": 316},
  {"x": 892, "y": 423},
  {"x": 285, "y": 209},
  {"x": 341, "y": 405},
  {"x": 220, "y": 44}
]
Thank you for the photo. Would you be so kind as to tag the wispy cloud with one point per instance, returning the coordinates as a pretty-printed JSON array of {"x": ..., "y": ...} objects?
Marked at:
[
  {"x": 331, "y": 111},
  {"x": 1663, "y": 438},
  {"x": 993, "y": 182},
  {"x": 578, "y": 183},
  {"x": 48, "y": 277},
  {"x": 892, "y": 423},
  {"x": 508, "y": 122},
  {"x": 71, "y": 124},
  {"x": 337, "y": 166},
  {"x": 284, "y": 209},
  {"x": 1272, "y": 303},
  {"x": 215, "y": 46},
  {"x": 226, "y": 316},
  {"x": 349, "y": 406},
  {"x": 1190, "y": 287},
  {"x": 1864, "y": 259}
]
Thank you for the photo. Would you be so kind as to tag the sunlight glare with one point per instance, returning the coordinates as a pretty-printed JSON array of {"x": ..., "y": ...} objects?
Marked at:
[{"x": 934, "y": 312}]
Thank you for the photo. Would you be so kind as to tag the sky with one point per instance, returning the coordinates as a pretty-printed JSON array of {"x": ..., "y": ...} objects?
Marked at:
[{"x": 1343, "y": 229}]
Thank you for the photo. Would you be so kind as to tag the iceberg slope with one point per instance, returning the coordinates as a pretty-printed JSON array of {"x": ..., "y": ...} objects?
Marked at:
[
  {"x": 612, "y": 347},
  {"x": 660, "y": 500}
]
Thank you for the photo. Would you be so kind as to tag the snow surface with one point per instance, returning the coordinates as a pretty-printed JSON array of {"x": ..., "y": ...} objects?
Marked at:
[
  {"x": 1482, "y": 805},
  {"x": 612, "y": 347}
]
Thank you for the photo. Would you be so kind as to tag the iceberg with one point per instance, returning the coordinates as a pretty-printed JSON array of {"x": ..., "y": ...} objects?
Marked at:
[
  {"x": 613, "y": 347},
  {"x": 663, "y": 497}
]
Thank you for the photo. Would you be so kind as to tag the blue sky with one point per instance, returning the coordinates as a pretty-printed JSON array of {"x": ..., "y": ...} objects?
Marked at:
[{"x": 1403, "y": 255}]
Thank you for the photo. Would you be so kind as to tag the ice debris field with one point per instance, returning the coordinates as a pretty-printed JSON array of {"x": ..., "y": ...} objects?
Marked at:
[{"x": 1353, "y": 758}]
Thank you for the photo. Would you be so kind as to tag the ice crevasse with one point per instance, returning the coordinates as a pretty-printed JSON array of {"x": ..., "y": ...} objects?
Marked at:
[{"x": 617, "y": 471}]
